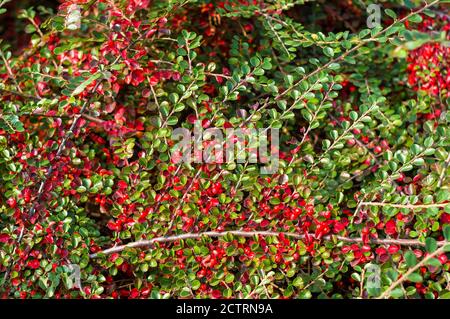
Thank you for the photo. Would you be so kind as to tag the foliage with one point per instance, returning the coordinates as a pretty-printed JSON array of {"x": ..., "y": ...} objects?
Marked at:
[{"x": 88, "y": 108}]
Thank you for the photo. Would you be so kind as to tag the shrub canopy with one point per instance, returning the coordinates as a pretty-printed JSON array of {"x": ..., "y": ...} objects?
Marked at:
[{"x": 91, "y": 92}]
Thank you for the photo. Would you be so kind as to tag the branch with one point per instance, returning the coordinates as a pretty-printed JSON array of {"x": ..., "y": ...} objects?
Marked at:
[
  {"x": 410, "y": 206},
  {"x": 150, "y": 242},
  {"x": 85, "y": 116},
  {"x": 20, "y": 94}
]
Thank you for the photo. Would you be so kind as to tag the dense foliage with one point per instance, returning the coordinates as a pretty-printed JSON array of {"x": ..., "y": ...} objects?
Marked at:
[{"x": 91, "y": 91}]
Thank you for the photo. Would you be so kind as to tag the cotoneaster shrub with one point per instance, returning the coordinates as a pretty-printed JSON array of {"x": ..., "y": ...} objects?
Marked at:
[{"x": 88, "y": 106}]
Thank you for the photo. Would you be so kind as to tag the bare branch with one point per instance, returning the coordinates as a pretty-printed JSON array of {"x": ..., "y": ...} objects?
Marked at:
[
  {"x": 150, "y": 242},
  {"x": 410, "y": 206}
]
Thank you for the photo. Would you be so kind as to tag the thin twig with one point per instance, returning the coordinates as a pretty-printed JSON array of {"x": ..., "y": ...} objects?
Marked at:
[
  {"x": 409, "y": 206},
  {"x": 300, "y": 236},
  {"x": 20, "y": 94}
]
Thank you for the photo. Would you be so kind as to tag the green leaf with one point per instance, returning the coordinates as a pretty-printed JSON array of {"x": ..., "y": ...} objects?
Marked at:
[
  {"x": 173, "y": 97},
  {"x": 446, "y": 232},
  {"x": 298, "y": 282},
  {"x": 419, "y": 162},
  {"x": 415, "y": 277},
  {"x": 229, "y": 278},
  {"x": 334, "y": 66},
  {"x": 397, "y": 293},
  {"x": 430, "y": 244},
  {"x": 363, "y": 33},
  {"x": 416, "y": 18},
  {"x": 179, "y": 107},
  {"x": 274, "y": 201},
  {"x": 445, "y": 295},
  {"x": 328, "y": 52},
  {"x": 410, "y": 258},
  {"x": 428, "y": 142},
  {"x": 80, "y": 88},
  {"x": 11, "y": 123},
  {"x": 195, "y": 284},
  {"x": 119, "y": 261},
  {"x": 185, "y": 292},
  {"x": 353, "y": 115},
  {"x": 273, "y": 113},
  {"x": 254, "y": 61},
  {"x": 305, "y": 294},
  {"x": 266, "y": 64},
  {"x": 172, "y": 120},
  {"x": 30, "y": 28},
  {"x": 433, "y": 262},
  {"x": 227, "y": 293},
  {"x": 59, "y": 50},
  {"x": 391, "y": 13},
  {"x": 442, "y": 196},
  {"x": 356, "y": 276}
]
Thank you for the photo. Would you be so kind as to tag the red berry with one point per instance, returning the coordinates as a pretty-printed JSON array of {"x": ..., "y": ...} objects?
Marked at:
[
  {"x": 443, "y": 258},
  {"x": 11, "y": 202},
  {"x": 34, "y": 264}
]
